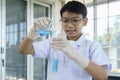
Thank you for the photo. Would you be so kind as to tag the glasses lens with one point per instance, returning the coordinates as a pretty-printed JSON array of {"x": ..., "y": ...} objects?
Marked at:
[
  {"x": 65, "y": 21},
  {"x": 75, "y": 21}
]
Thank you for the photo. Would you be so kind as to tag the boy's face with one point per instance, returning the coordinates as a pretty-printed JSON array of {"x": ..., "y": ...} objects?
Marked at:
[{"x": 72, "y": 24}]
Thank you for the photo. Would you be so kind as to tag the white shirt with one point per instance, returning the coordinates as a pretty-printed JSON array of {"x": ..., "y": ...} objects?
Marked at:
[{"x": 67, "y": 69}]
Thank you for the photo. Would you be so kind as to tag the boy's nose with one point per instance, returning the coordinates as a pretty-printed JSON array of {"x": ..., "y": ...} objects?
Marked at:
[{"x": 70, "y": 24}]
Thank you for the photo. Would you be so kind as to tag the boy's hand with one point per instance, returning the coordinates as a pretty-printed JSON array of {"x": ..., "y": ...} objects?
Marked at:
[
  {"x": 40, "y": 23},
  {"x": 66, "y": 46}
]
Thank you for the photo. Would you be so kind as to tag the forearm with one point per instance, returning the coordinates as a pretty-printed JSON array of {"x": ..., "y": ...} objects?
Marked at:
[
  {"x": 26, "y": 46},
  {"x": 96, "y": 71}
]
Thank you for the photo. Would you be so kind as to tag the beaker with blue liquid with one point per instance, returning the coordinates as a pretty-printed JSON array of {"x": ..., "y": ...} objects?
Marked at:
[{"x": 46, "y": 30}]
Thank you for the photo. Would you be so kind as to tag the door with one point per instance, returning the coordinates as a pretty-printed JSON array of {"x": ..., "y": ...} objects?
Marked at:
[
  {"x": 2, "y": 40},
  {"x": 0, "y": 43},
  {"x": 15, "y": 30},
  {"x": 40, "y": 65}
]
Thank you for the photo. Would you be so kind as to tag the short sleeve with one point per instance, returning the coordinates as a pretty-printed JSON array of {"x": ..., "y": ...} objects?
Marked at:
[
  {"x": 41, "y": 49},
  {"x": 99, "y": 56}
]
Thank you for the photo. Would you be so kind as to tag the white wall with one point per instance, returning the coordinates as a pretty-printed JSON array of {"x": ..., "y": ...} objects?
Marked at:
[{"x": 56, "y": 15}]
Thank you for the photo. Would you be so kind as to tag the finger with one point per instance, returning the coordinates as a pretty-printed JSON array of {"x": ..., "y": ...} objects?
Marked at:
[
  {"x": 41, "y": 22},
  {"x": 46, "y": 21},
  {"x": 36, "y": 25},
  {"x": 36, "y": 22},
  {"x": 58, "y": 45},
  {"x": 57, "y": 48},
  {"x": 57, "y": 39}
]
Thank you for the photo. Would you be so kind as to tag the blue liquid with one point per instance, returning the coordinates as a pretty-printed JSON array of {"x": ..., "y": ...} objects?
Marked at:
[
  {"x": 44, "y": 32},
  {"x": 54, "y": 65}
]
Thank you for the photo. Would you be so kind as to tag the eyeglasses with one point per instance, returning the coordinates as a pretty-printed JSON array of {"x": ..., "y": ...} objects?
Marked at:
[{"x": 74, "y": 21}]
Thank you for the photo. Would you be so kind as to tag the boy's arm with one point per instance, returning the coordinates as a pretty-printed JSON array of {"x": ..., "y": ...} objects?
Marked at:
[
  {"x": 96, "y": 71},
  {"x": 26, "y": 46}
]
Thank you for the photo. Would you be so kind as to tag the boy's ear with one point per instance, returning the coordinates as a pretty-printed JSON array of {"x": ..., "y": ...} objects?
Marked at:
[{"x": 85, "y": 21}]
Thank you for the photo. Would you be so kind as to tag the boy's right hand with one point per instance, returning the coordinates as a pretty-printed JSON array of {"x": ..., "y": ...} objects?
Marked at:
[{"x": 40, "y": 23}]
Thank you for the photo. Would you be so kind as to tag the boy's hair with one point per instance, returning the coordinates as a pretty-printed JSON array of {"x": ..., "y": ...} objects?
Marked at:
[{"x": 75, "y": 7}]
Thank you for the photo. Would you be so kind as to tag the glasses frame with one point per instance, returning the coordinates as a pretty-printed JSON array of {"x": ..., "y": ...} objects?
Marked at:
[{"x": 71, "y": 21}]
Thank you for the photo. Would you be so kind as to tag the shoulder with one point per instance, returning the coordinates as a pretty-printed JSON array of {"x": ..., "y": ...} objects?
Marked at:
[
  {"x": 93, "y": 44},
  {"x": 83, "y": 41},
  {"x": 95, "y": 47}
]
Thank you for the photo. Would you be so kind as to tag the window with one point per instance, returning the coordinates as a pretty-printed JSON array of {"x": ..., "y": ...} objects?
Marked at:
[
  {"x": 106, "y": 28},
  {"x": 16, "y": 26},
  {"x": 88, "y": 30}
]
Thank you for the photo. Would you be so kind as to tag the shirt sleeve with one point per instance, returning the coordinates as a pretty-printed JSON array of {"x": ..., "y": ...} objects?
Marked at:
[
  {"x": 41, "y": 49},
  {"x": 99, "y": 56}
]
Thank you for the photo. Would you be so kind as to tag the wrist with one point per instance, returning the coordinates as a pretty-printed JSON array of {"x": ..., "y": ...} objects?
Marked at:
[
  {"x": 78, "y": 57},
  {"x": 82, "y": 60},
  {"x": 32, "y": 34}
]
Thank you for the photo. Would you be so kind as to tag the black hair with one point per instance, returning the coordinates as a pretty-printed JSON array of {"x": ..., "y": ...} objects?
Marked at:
[{"x": 75, "y": 7}]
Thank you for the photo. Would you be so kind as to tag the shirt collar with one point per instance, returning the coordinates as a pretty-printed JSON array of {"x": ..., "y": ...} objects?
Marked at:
[{"x": 81, "y": 41}]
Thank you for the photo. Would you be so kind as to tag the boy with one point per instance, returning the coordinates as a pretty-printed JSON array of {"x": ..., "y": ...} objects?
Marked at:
[{"x": 81, "y": 60}]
